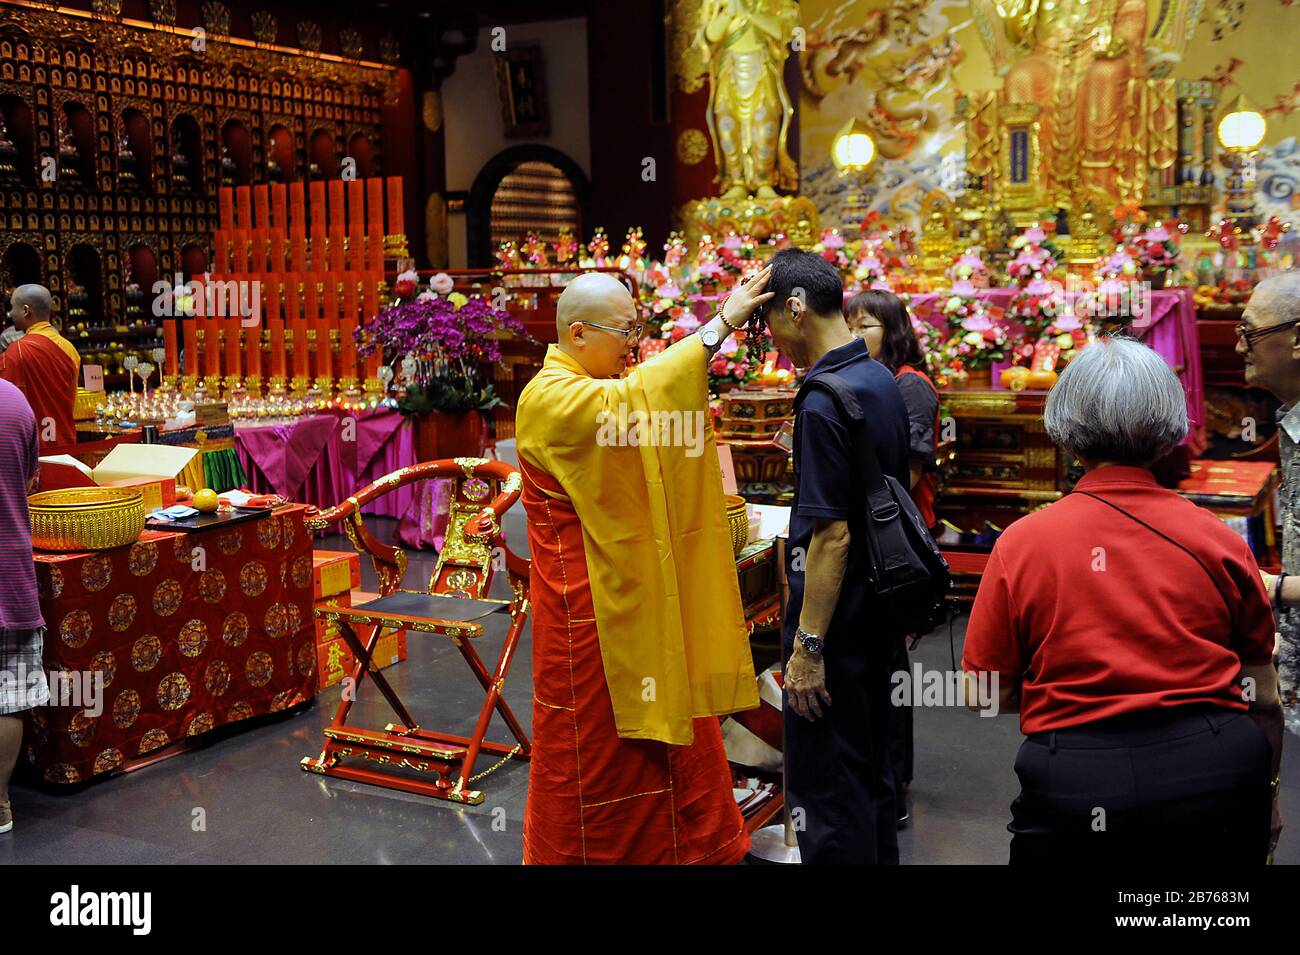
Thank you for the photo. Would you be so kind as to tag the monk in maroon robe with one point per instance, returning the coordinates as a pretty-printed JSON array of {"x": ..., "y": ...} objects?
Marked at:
[{"x": 43, "y": 367}]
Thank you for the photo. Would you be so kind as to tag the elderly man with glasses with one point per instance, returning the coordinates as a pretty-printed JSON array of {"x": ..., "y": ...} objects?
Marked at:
[{"x": 1268, "y": 339}]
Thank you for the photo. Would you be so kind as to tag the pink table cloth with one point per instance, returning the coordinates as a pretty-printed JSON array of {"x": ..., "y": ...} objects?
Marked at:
[{"x": 323, "y": 458}]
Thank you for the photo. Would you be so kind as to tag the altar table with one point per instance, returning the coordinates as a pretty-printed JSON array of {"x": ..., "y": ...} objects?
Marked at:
[
  {"x": 181, "y": 650},
  {"x": 1171, "y": 331}
]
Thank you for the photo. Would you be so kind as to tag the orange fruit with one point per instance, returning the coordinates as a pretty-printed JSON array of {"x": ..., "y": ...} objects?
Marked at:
[{"x": 205, "y": 501}]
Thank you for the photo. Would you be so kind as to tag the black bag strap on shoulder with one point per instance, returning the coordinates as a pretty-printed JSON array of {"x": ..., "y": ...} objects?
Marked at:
[
  {"x": 888, "y": 537},
  {"x": 849, "y": 406},
  {"x": 1232, "y": 614}
]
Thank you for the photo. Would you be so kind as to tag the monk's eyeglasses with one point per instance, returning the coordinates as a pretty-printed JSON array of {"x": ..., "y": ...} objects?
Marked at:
[
  {"x": 1252, "y": 335},
  {"x": 632, "y": 333}
]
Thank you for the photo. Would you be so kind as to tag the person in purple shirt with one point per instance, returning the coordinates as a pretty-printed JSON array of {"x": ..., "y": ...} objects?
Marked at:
[{"x": 22, "y": 672}]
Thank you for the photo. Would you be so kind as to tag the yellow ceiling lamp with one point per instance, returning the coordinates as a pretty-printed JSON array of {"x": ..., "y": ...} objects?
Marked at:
[
  {"x": 1240, "y": 132},
  {"x": 853, "y": 147}
]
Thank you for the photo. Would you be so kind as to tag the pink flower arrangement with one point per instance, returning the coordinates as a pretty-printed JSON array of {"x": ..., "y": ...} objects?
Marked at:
[{"x": 442, "y": 283}]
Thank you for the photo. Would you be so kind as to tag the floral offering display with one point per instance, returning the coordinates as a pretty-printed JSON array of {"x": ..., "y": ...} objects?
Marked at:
[
  {"x": 969, "y": 271},
  {"x": 445, "y": 341},
  {"x": 1156, "y": 253},
  {"x": 976, "y": 340},
  {"x": 1036, "y": 257}
]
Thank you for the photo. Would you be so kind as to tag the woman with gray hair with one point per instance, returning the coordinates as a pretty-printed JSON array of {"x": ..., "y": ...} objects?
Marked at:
[{"x": 1131, "y": 631}]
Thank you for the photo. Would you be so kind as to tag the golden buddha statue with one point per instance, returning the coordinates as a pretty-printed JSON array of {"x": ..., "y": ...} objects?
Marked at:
[
  {"x": 745, "y": 44},
  {"x": 1098, "y": 72}
]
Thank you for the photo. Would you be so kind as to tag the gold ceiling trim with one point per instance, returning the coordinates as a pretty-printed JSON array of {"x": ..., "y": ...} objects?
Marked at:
[{"x": 97, "y": 23}]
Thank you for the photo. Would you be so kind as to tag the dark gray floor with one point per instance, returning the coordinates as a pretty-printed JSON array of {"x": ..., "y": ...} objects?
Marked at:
[{"x": 259, "y": 807}]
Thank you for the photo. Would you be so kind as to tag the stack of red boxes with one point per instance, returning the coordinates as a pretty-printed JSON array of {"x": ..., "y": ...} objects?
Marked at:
[{"x": 335, "y": 577}]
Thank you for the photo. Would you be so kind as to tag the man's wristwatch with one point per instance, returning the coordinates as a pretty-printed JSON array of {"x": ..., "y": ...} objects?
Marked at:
[
  {"x": 811, "y": 642},
  {"x": 710, "y": 337}
]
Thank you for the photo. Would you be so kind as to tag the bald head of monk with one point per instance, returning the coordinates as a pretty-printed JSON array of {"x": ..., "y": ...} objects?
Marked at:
[
  {"x": 29, "y": 304},
  {"x": 597, "y": 325}
]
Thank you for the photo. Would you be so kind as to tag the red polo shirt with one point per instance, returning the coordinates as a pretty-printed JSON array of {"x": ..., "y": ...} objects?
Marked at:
[{"x": 1096, "y": 616}]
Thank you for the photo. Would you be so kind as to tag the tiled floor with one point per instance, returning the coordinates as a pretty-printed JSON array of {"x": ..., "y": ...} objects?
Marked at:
[{"x": 243, "y": 799}]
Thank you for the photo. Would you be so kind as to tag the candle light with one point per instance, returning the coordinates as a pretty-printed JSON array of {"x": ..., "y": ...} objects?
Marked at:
[
  {"x": 317, "y": 205},
  {"x": 226, "y": 201},
  {"x": 376, "y": 249},
  {"x": 275, "y": 325},
  {"x": 337, "y": 213},
  {"x": 259, "y": 251},
  {"x": 375, "y": 205},
  {"x": 318, "y": 259},
  {"x": 297, "y": 324},
  {"x": 327, "y": 323},
  {"x": 371, "y": 296},
  {"x": 229, "y": 320},
  {"x": 356, "y": 203},
  {"x": 261, "y": 207},
  {"x": 298, "y": 251},
  {"x": 396, "y": 224},
  {"x": 250, "y": 326},
  {"x": 348, "y": 328},
  {"x": 279, "y": 201},
  {"x": 276, "y": 265},
  {"x": 240, "y": 252},
  {"x": 336, "y": 261},
  {"x": 357, "y": 249},
  {"x": 221, "y": 251},
  {"x": 172, "y": 359},
  {"x": 297, "y": 206},
  {"x": 243, "y": 208}
]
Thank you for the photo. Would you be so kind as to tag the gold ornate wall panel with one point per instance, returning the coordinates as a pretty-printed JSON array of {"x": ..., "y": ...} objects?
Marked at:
[{"x": 55, "y": 65}]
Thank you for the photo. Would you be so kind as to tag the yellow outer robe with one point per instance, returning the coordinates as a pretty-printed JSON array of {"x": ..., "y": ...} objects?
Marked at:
[{"x": 673, "y": 639}]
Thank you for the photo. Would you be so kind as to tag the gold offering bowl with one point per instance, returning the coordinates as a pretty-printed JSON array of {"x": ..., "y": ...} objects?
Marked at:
[
  {"x": 86, "y": 518},
  {"x": 737, "y": 521}
]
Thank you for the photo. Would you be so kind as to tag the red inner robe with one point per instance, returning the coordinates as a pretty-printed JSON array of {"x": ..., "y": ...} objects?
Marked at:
[
  {"x": 47, "y": 377},
  {"x": 593, "y": 797}
]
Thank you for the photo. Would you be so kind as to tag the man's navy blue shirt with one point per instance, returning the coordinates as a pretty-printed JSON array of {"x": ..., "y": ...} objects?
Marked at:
[{"x": 830, "y": 482}]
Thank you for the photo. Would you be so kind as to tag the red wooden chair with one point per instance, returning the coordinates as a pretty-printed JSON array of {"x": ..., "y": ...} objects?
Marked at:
[{"x": 455, "y": 605}]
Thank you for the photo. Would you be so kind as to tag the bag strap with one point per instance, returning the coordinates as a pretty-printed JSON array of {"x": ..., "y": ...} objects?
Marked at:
[
  {"x": 849, "y": 406},
  {"x": 1232, "y": 615}
]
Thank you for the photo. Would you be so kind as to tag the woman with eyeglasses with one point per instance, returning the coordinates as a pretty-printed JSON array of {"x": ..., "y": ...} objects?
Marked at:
[{"x": 881, "y": 320}]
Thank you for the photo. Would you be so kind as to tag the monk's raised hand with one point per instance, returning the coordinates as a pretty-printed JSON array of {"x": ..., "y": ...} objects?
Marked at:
[{"x": 741, "y": 304}]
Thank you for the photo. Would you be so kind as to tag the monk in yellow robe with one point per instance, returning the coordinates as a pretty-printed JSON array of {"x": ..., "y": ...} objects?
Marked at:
[{"x": 639, "y": 640}]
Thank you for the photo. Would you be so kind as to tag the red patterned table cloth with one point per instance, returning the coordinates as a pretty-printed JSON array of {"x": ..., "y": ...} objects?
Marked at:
[{"x": 190, "y": 631}]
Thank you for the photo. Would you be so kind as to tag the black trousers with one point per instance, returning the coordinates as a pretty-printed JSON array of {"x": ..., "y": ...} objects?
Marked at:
[
  {"x": 900, "y": 726},
  {"x": 839, "y": 779},
  {"x": 1188, "y": 785}
]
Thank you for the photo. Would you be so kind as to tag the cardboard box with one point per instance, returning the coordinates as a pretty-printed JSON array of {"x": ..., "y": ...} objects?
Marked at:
[
  {"x": 335, "y": 661},
  {"x": 142, "y": 460},
  {"x": 327, "y": 630},
  {"x": 334, "y": 572},
  {"x": 157, "y": 492},
  {"x": 152, "y": 468}
]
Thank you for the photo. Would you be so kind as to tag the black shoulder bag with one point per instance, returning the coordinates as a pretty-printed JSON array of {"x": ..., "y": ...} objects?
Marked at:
[{"x": 906, "y": 573}]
